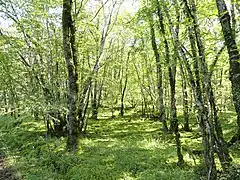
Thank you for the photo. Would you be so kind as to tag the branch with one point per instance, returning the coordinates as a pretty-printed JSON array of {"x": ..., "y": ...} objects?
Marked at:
[
  {"x": 99, "y": 11},
  {"x": 212, "y": 66},
  {"x": 185, "y": 49},
  {"x": 79, "y": 9}
]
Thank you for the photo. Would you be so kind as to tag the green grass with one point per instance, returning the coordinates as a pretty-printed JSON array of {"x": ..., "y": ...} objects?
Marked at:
[{"x": 119, "y": 148}]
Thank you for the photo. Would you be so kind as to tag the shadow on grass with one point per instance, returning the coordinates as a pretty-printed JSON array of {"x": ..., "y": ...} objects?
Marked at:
[
  {"x": 102, "y": 162},
  {"x": 119, "y": 148}
]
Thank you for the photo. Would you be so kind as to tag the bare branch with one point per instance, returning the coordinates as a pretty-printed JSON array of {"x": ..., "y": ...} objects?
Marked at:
[{"x": 99, "y": 11}]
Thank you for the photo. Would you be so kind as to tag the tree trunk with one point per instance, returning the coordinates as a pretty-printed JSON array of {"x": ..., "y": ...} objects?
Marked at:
[
  {"x": 234, "y": 58},
  {"x": 71, "y": 64},
  {"x": 94, "y": 100},
  {"x": 144, "y": 99},
  {"x": 201, "y": 90},
  {"x": 122, "y": 97},
  {"x": 185, "y": 101},
  {"x": 202, "y": 118},
  {"x": 221, "y": 145},
  {"x": 161, "y": 108},
  {"x": 125, "y": 85},
  {"x": 171, "y": 71}
]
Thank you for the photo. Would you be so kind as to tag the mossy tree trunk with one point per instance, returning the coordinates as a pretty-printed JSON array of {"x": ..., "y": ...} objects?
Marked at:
[
  {"x": 172, "y": 63},
  {"x": 171, "y": 69},
  {"x": 234, "y": 58},
  {"x": 185, "y": 100},
  {"x": 200, "y": 89},
  {"x": 161, "y": 107},
  {"x": 70, "y": 54}
]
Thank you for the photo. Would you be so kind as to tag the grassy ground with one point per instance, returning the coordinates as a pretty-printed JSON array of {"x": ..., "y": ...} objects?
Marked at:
[{"x": 119, "y": 148}]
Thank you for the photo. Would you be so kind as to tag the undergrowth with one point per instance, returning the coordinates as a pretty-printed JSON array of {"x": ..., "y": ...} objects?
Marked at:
[{"x": 126, "y": 148}]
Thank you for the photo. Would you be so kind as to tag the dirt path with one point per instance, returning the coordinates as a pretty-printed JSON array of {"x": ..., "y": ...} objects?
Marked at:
[{"x": 5, "y": 173}]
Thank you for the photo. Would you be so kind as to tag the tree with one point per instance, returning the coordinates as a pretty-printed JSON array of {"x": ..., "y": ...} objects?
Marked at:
[
  {"x": 70, "y": 53},
  {"x": 161, "y": 107},
  {"x": 234, "y": 58}
]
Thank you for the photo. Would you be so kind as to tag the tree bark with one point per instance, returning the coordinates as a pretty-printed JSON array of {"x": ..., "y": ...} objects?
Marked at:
[
  {"x": 71, "y": 64},
  {"x": 171, "y": 71},
  {"x": 234, "y": 58},
  {"x": 94, "y": 100},
  {"x": 201, "y": 89},
  {"x": 161, "y": 107},
  {"x": 185, "y": 101},
  {"x": 124, "y": 86}
]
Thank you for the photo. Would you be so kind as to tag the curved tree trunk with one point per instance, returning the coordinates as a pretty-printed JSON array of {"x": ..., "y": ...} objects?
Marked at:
[{"x": 234, "y": 58}]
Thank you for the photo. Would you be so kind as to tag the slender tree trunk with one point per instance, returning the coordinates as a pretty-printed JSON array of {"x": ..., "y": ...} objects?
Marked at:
[
  {"x": 234, "y": 58},
  {"x": 221, "y": 145},
  {"x": 161, "y": 107},
  {"x": 125, "y": 85},
  {"x": 185, "y": 100},
  {"x": 101, "y": 89},
  {"x": 202, "y": 118},
  {"x": 94, "y": 100},
  {"x": 201, "y": 96},
  {"x": 144, "y": 99},
  {"x": 88, "y": 83},
  {"x": 122, "y": 97},
  {"x": 71, "y": 63},
  {"x": 171, "y": 71}
]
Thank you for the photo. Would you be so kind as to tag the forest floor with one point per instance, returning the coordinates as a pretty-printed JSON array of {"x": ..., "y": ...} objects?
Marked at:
[{"x": 120, "y": 148}]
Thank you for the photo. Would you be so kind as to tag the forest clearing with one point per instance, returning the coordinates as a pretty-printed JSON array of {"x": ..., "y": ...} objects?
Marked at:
[{"x": 119, "y": 89}]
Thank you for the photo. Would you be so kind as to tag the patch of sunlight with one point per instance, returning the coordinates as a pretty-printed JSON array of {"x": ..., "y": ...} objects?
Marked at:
[
  {"x": 108, "y": 142},
  {"x": 87, "y": 141},
  {"x": 228, "y": 131},
  {"x": 194, "y": 143},
  {"x": 96, "y": 144},
  {"x": 61, "y": 148},
  {"x": 59, "y": 145},
  {"x": 151, "y": 144},
  {"x": 113, "y": 144},
  {"x": 151, "y": 129},
  {"x": 230, "y": 112},
  {"x": 191, "y": 160},
  {"x": 120, "y": 131},
  {"x": 172, "y": 160},
  {"x": 32, "y": 129},
  {"x": 236, "y": 160},
  {"x": 42, "y": 126},
  {"x": 32, "y": 126},
  {"x": 186, "y": 134},
  {"x": 104, "y": 140},
  {"x": 80, "y": 151},
  {"x": 30, "y": 123},
  {"x": 232, "y": 120},
  {"x": 195, "y": 128},
  {"x": 127, "y": 176},
  {"x": 218, "y": 164},
  {"x": 11, "y": 160}
]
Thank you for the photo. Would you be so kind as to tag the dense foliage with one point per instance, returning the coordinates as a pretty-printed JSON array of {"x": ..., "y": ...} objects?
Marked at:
[{"x": 114, "y": 89}]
